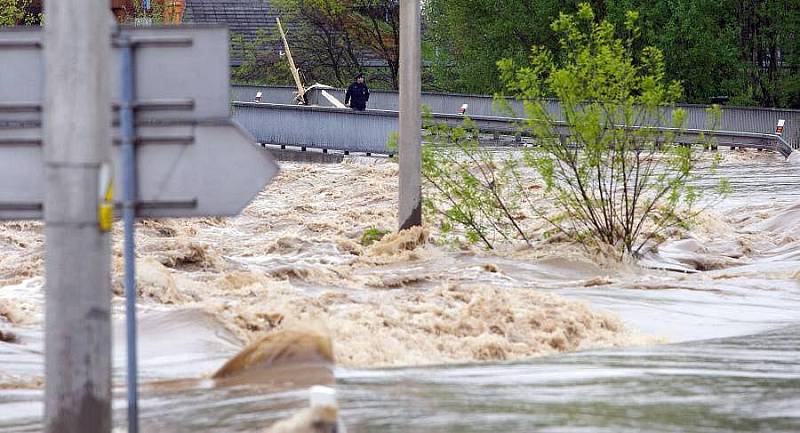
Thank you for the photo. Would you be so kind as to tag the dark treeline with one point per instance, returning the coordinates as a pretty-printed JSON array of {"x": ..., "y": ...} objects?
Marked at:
[{"x": 744, "y": 50}]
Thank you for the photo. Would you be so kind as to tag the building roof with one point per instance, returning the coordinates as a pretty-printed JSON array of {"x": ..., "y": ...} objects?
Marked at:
[{"x": 243, "y": 17}]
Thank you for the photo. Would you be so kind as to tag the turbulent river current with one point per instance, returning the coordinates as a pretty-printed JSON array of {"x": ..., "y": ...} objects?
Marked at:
[{"x": 701, "y": 336}]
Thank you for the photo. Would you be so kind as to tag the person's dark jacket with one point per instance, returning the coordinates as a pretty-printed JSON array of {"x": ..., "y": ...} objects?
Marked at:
[{"x": 357, "y": 95}]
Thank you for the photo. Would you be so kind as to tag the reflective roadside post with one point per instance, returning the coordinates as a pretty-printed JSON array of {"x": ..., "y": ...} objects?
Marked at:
[{"x": 410, "y": 140}]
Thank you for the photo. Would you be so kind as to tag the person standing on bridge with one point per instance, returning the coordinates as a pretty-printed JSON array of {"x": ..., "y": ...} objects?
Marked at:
[{"x": 357, "y": 94}]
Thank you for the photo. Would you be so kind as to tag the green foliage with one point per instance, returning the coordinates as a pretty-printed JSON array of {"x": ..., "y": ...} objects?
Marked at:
[
  {"x": 746, "y": 51},
  {"x": 10, "y": 12},
  {"x": 610, "y": 177},
  {"x": 698, "y": 38},
  {"x": 260, "y": 63},
  {"x": 468, "y": 187},
  {"x": 332, "y": 40},
  {"x": 464, "y": 39},
  {"x": 393, "y": 142},
  {"x": 154, "y": 15},
  {"x": 615, "y": 179},
  {"x": 372, "y": 235},
  {"x": 15, "y": 12}
]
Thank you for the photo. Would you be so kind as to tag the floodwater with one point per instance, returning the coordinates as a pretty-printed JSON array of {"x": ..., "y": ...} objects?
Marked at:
[{"x": 703, "y": 336}]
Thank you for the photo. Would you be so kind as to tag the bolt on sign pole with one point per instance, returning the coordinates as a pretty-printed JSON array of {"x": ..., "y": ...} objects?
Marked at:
[
  {"x": 410, "y": 207},
  {"x": 77, "y": 147}
]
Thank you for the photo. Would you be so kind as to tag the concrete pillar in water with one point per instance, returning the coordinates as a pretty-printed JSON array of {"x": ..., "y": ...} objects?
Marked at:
[
  {"x": 410, "y": 207},
  {"x": 77, "y": 143}
]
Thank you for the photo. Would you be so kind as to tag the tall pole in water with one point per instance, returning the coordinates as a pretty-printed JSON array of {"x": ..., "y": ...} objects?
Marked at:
[
  {"x": 77, "y": 146},
  {"x": 410, "y": 207}
]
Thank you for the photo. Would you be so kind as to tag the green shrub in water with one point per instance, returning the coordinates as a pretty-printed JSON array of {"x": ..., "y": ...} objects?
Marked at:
[
  {"x": 372, "y": 235},
  {"x": 613, "y": 179}
]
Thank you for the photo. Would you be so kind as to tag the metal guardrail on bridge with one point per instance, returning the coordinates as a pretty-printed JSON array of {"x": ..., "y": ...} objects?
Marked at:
[
  {"x": 738, "y": 119},
  {"x": 368, "y": 131}
]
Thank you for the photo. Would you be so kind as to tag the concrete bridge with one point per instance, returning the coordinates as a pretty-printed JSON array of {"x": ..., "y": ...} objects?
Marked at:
[{"x": 278, "y": 120}]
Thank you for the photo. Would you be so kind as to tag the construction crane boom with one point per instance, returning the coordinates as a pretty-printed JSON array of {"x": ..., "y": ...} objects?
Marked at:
[{"x": 301, "y": 91}]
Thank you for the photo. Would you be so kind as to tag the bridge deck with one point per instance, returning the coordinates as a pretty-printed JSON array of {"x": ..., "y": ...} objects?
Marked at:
[
  {"x": 369, "y": 131},
  {"x": 735, "y": 119}
]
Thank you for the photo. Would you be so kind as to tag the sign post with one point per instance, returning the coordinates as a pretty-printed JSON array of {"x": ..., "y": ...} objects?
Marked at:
[
  {"x": 410, "y": 140},
  {"x": 128, "y": 163},
  {"x": 173, "y": 141},
  {"x": 193, "y": 161}
]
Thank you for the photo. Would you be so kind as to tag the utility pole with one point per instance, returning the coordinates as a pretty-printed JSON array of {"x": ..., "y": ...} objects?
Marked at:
[
  {"x": 77, "y": 147},
  {"x": 410, "y": 208}
]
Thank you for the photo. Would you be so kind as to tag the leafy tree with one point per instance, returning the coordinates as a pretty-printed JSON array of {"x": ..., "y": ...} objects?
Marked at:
[
  {"x": 463, "y": 40},
  {"x": 699, "y": 41},
  {"x": 468, "y": 187},
  {"x": 616, "y": 179},
  {"x": 612, "y": 176},
  {"x": 747, "y": 51},
  {"x": 331, "y": 40},
  {"x": 769, "y": 46},
  {"x": 17, "y": 12},
  {"x": 260, "y": 63},
  {"x": 156, "y": 14}
]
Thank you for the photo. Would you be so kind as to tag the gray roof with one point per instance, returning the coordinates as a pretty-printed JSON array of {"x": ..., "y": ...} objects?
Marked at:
[
  {"x": 246, "y": 18},
  {"x": 243, "y": 17}
]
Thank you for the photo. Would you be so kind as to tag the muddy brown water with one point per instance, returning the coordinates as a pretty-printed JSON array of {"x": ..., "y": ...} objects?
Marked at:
[{"x": 703, "y": 336}]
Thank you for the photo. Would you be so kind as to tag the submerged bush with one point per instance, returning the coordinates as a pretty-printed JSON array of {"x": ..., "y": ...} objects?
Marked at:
[
  {"x": 468, "y": 187},
  {"x": 613, "y": 178},
  {"x": 372, "y": 235}
]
